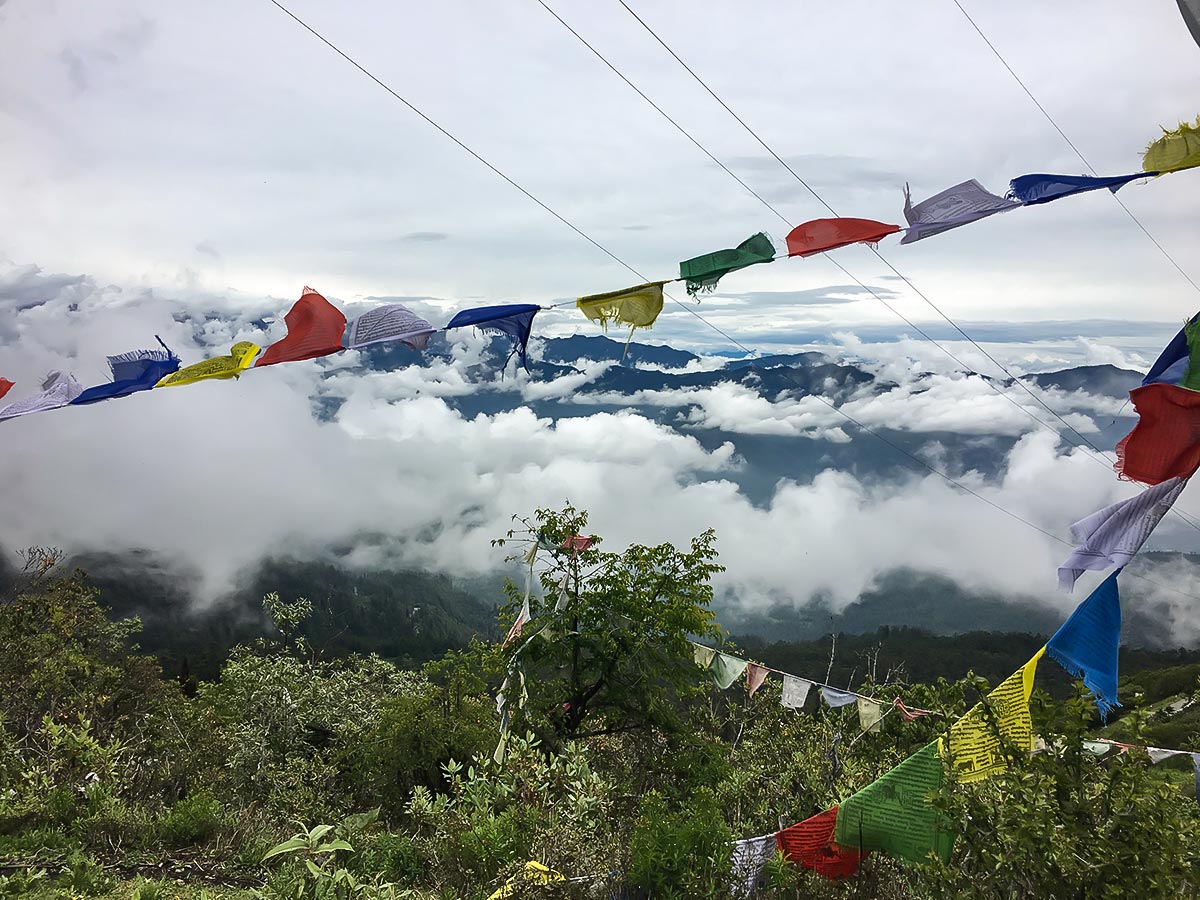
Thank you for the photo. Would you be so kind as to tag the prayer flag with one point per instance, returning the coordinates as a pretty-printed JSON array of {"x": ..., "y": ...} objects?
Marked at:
[
  {"x": 515, "y": 321},
  {"x": 577, "y": 543},
  {"x": 523, "y": 615},
  {"x": 977, "y": 739},
  {"x": 956, "y": 206},
  {"x": 893, "y": 813},
  {"x": 391, "y": 322},
  {"x": 1174, "y": 364},
  {"x": 137, "y": 370},
  {"x": 1096, "y": 748},
  {"x": 533, "y": 873},
  {"x": 1175, "y": 150},
  {"x": 703, "y": 272},
  {"x": 909, "y": 715},
  {"x": 1034, "y": 189},
  {"x": 810, "y": 844},
  {"x": 241, "y": 355},
  {"x": 1158, "y": 754},
  {"x": 5, "y": 386},
  {"x": 870, "y": 714},
  {"x": 703, "y": 655},
  {"x": 636, "y": 307},
  {"x": 726, "y": 669},
  {"x": 58, "y": 389},
  {"x": 1112, "y": 536},
  {"x": 1087, "y": 643},
  {"x": 755, "y": 676},
  {"x": 749, "y": 858},
  {"x": 314, "y": 328},
  {"x": 821, "y": 235},
  {"x": 795, "y": 691},
  {"x": 1164, "y": 443},
  {"x": 1196, "y": 767},
  {"x": 836, "y": 698}
]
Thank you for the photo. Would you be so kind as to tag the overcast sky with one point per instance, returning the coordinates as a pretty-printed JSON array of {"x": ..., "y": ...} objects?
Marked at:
[{"x": 161, "y": 161}]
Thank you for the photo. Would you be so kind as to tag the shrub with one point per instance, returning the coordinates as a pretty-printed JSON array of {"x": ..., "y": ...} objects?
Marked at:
[
  {"x": 682, "y": 854},
  {"x": 193, "y": 820}
]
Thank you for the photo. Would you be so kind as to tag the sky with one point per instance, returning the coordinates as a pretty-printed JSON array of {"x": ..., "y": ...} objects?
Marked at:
[{"x": 184, "y": 170}]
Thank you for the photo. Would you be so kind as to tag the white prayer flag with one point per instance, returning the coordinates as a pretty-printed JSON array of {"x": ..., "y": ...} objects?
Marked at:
[
  {"x": 870, "y": 714},
  {"x": 58, "y": 389},
  {"x": 749, "y": 858},
  {"x": 836, "y": 698},
  {"x": 956, "y": 206},
  {"x": 1112, "y": 536},
  {"x": 1158, "y": 754},
  {"x": 392, "y": 322},
  {"x": 795, "y": 691}
]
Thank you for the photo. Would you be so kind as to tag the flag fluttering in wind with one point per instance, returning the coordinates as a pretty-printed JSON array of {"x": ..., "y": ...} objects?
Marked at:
[
  {"x": 636, "y": 307},
  {"x": 747, "y": 862},
  {"x": 1163, "y": 444},
  {"x": 314, "y": 328},
  {"x": 703, "y": 272},
  {"x": 240, "y": 357},
  {"x": 1087, "y": 643},
  {"x": 703, "y": 655},
  {"x": 58, "y": 389},
  {"x": 1113, "y": 536},
  {"x": 726, "y": 669},
  {"x": 1175, "y": 150},
  {"x": 909, "y": 714},
  {"x": 755, "y": 676},
  {"x": 974, "y": 743},
  {"x": 5, "y": 386},
  {"x": 137, "y": 370},
  {"x": 1034, "y": 189},
  {"x": 795, "y": 691},
  {"x": 836, "y": 698},
  {"x": 810, "y": 844},
  {"x": 893, "y": 813},
  {"x": 1175, "y": 364},
  {"x": 952, "y": 208},
  {"x": 821, "y": 235},
  {"x": 514, "y": 320},
  {"x": 870, "y": 714},
  {"x": 390, "y": 322}
]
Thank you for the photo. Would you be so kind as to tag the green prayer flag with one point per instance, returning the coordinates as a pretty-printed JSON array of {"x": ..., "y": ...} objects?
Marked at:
[
  {"x": 726, "y": 669},
  {"x": 893, "y": 813},
  {"x": 1191, "y": 378},
  {"x": 703, "y": 272}
]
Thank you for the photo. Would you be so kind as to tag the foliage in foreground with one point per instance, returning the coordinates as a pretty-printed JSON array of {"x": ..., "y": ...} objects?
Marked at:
[{"x": 622, "y": 764}]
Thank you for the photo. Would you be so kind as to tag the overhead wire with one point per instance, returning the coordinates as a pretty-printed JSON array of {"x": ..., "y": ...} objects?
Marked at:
[
  {"x": 953, "y": 482},
  {"x": 1070, "y": 143},
  {"x": 1101, "y": 457},
  {"x": 925, "y": 335}
]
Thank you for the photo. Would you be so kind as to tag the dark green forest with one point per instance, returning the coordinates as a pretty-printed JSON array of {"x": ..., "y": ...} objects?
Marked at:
[{"x": 334, "y": 734}]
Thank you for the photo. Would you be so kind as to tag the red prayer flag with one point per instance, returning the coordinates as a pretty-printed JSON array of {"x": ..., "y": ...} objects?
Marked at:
[
  {"x": 577, "y": 543},
  {"x": 820, "y": 235},
  {"x": 5, "y": 386},
  {"x": 910, "y": 715},
  {"x": 314, "y": 328},
  {"x": 1165, "y": 443},
  {"x": 810, "y": 844}
]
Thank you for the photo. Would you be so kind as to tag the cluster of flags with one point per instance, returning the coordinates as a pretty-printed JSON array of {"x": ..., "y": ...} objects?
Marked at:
[{"x": 317, "y": 328}]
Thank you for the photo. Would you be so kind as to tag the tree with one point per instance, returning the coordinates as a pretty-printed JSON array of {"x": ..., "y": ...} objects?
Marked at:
[{"x": 606, "y": 650}]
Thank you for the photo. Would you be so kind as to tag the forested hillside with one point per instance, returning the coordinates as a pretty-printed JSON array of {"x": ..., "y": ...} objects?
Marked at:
[{"x": 630, "y": 756}]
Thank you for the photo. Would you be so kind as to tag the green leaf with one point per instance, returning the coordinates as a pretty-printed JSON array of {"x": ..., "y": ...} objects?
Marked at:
[
  {"x": 330, "y": 847},
  {"x": 318, "y": 832},
  {"x": 291, "y": 845}
]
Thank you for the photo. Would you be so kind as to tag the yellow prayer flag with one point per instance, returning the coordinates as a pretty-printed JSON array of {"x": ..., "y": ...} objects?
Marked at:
[
  {"x": 241, "y": 355},
  {"x": 1175, "y": 150},
  {"x": 974, "y": 742},
  {"x": 533, "y": 873},
  {"x": 637, "y": 306}
]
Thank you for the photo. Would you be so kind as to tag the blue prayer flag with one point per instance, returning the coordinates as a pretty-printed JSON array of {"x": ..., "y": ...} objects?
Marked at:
[
  {"x": 1172, "y": 363},
  {"x": 137, "y": 370},
  {"x": 1086, "y": 645},
  {"x": 514, "y": 320},
  {"x": 1032, "y": 189}
]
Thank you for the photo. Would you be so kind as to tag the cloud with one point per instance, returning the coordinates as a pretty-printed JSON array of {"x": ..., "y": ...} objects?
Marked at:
[
  {"x": 215, "y": 476},
  {"x": 424, "y": 237}
]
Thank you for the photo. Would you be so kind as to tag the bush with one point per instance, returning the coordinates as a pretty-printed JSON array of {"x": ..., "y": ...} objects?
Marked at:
[
  {"x": 683, "y": 854},
  {"x": 193, "y": 820}
]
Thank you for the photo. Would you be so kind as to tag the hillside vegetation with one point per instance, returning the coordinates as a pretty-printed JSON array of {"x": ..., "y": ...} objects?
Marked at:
[{"x": 299, "y": 771}]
